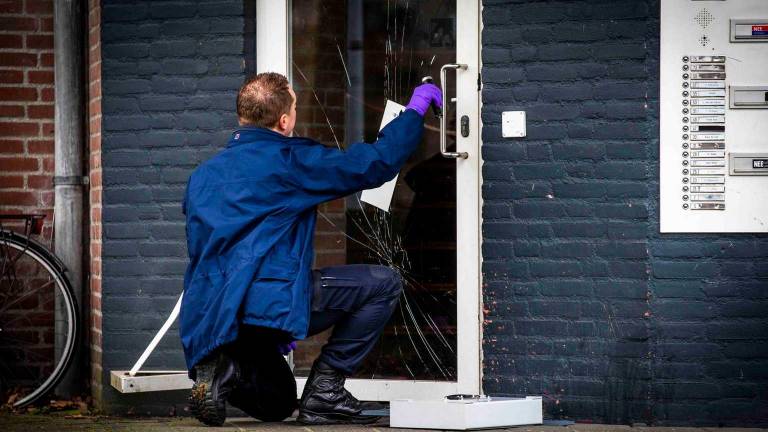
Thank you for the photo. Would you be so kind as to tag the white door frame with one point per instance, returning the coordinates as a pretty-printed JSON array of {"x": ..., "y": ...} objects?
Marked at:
[{"x": 273, "y": 42}]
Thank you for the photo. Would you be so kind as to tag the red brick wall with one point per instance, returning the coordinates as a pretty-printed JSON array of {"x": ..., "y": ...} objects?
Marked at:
[
  {"x": 26, "y": 144},
  {"x": 94, "y": 146},
  {"x": 26, "y": 109},
  {"x": 26, "y": 133}
]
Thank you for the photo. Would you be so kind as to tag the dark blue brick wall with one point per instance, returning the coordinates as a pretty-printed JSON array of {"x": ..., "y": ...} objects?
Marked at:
[
  {"x": 170, "y": 75},
  {"x": 586, "y": 303}
]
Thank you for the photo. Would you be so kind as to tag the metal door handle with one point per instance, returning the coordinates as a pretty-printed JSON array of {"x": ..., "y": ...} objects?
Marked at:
[{"x": 444, "y": 118}]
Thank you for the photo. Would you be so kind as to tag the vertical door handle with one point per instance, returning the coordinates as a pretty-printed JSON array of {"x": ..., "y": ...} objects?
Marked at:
[{"x": 444, "y": 118}]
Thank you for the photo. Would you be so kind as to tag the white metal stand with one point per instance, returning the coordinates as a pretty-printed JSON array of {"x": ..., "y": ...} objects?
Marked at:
[
  {"x": 490, "y": 412},
  {"x": 134, "y": 381},
  {"x": 157, "y": 338}
]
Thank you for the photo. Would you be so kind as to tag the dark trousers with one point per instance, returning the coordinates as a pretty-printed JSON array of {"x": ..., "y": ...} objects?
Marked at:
[{"x": 358, "y": 301}]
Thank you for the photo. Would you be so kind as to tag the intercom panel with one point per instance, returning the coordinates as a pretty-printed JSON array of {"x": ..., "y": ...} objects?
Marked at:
[{"x": 714, "y": 116}]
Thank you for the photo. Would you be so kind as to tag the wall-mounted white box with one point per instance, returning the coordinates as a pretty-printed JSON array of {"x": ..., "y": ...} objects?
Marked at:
[{"x": 513, "y": 124}]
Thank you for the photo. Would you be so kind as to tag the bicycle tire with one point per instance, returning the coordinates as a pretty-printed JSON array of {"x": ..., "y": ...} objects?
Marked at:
[{"x": 57, "y": 272}]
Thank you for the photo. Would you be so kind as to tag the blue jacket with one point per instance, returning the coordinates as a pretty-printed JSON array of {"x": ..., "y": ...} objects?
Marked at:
[{"x": 251, "y": 213}]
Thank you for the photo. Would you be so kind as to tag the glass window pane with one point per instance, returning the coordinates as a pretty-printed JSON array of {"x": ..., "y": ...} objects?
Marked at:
[{"x": 348, "y": 58}]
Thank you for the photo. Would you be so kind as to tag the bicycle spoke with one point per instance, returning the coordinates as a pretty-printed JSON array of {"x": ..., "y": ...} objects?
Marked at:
[
  {"x": 33, "y": 375},
  {"x": 6, "y": 367},
  {"x": 7, "y": 323},
  {"x": 12, "y": 318},
  {"x": 27, "y": 294},
  {"x": 17, "y": 257},
  {"x": 5, "y": 326},
  {"x": 7, "y": 338},
  {"x": 32, "y": 353},
  {"x": 9, "y": 263},
  {"x": 26, "y": 354},
  {"x": 9, "y": 275},
  {"x": 5, "y": 254}
]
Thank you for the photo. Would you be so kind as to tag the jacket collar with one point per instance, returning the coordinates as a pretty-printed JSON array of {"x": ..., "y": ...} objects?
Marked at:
[{"x": 249, "y": 134}]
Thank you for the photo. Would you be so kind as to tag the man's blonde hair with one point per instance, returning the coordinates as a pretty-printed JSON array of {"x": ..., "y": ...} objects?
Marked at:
[{"x": 263, "y": 99}]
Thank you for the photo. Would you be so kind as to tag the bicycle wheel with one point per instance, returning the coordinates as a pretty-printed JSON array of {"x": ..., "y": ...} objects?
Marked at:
[{"x": 39, "y": 320}]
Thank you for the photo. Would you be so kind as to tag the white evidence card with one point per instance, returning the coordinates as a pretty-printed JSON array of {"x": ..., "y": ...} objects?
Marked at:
[{"x": 381, "y": 196}]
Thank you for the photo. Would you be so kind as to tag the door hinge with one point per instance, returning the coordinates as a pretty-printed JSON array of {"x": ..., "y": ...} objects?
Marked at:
[{"x": 479, "y": 82}]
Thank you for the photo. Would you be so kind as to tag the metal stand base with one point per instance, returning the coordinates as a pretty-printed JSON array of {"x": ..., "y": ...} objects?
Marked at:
[
  {"x": 465, "y": 414},
  {"x": 148, "y": 381}
]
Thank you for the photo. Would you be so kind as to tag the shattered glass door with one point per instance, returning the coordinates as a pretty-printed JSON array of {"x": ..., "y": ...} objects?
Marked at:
[{"x": 348, "y": 58}]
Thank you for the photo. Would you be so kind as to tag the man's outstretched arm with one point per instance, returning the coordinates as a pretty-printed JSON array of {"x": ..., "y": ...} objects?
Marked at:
[{"x": 328, "y": 173}]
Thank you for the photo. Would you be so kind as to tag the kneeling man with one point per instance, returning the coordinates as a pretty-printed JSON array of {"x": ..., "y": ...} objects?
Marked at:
[{"x": 250, "y": 290}]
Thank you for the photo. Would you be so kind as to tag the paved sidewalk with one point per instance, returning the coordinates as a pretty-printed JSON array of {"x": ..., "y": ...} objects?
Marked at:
[{"x": 29, "y": 422}]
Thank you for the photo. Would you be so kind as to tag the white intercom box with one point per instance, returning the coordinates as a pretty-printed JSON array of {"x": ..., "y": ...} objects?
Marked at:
[{"x": 714, "y": 116}]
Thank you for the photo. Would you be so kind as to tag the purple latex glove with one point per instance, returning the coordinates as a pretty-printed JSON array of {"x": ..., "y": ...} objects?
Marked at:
[
  {"x": 423, "y": 96},
  {"x": 285, "y": 349}
]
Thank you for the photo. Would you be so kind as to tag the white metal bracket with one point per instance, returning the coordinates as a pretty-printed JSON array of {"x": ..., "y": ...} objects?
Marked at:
[
  {"x": 149, "y": 381},
  {"x": 134, "y": 381}
]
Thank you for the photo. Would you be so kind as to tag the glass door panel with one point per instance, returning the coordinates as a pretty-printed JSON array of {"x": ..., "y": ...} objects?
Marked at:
[{"x": 347, "y": 58}]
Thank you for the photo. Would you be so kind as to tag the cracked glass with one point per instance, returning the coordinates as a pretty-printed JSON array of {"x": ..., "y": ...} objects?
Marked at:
[{"x": 348, "y": 58}]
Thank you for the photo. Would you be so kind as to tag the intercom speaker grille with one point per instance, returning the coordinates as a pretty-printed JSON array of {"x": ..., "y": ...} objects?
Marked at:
[{"x": 704, "y": 18}]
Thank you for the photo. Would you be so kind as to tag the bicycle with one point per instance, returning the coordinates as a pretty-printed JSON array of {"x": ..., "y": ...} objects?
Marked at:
[{"x": 39, "y": 317}]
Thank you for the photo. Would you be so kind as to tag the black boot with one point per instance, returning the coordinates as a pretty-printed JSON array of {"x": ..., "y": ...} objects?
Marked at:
[
  {"x": 326, "y": 401},
  {"x": 267, "y": 389},
  {"x": 215, "y": 377}
]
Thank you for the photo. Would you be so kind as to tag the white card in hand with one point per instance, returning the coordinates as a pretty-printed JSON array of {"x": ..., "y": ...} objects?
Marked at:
[{"x": 381, "y": 196}]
